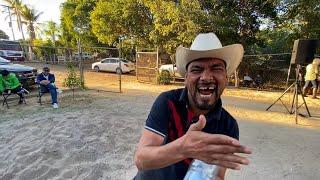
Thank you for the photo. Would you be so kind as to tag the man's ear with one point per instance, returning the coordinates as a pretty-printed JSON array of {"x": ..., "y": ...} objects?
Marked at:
[
  {"x": 186, "y": 75},
  {"x": 185, "y": 78}
]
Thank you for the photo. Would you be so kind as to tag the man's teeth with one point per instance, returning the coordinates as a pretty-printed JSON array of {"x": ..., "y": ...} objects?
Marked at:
[
  {"x": 205, "y": 96},
  {"x": 205, "y": 88}
]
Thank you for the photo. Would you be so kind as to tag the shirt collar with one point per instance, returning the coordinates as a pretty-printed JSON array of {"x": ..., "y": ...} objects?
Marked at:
[{"x": 184, "y": 96}]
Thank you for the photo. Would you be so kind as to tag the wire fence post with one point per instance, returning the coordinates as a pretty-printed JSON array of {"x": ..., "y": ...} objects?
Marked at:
[
  {"x": 120, "y": 72},
  {"x": 81, "y": 63}
]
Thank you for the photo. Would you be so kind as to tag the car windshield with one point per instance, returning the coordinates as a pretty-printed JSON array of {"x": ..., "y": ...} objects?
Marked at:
[{"x": 4, "y": 61}]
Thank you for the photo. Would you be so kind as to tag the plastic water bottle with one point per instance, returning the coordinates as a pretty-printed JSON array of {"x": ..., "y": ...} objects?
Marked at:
[{"x": 200, "y": 170}]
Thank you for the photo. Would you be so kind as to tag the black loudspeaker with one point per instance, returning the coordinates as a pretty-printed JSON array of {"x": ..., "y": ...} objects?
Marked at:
[{"x": 304, "y": 50}]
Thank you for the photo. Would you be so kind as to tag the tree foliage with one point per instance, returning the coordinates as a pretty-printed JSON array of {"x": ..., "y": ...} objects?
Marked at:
[
  {"x": 75, "y": 22},
  {"x": 30, "y": 17},
  {"x": 260, "y": 25},
  {"x": 301, "y": 17},
  {"x": 121, "y": 18},
  {"x": 16, "y": 7},
  {"x": 52, "y": 31}
]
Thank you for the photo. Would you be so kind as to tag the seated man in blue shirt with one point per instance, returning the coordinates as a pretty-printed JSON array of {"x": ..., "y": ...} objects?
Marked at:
[
  {"x": 46, "y": 81},
  {"x": 190, "y": 123}
]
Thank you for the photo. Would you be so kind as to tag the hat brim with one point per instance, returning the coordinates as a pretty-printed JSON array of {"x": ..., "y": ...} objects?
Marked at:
[{"x": 231, "y": 54}]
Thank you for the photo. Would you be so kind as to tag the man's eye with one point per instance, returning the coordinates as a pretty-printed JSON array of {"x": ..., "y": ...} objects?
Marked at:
[
  {"x": 195, "y": 70},
  {"x": 218, "y": 68}
]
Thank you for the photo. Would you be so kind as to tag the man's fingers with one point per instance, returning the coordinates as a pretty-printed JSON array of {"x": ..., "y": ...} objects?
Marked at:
[
  {"x": 198, "y": 126},
  {"x": 226, "y": 164},
  {"x": 227, "y": 149},
  {"x": 232, "y": 158},
  {"x": 221, "y": 139}
]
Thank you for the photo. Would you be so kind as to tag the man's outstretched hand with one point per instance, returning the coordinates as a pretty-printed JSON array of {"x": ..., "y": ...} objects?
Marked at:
[{"x": 215, "y": 149}]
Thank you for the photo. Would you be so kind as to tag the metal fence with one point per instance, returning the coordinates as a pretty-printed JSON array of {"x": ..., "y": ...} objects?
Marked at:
[
  {"x": 147, "y": 65},
  {"x": 268, "y": 71}
]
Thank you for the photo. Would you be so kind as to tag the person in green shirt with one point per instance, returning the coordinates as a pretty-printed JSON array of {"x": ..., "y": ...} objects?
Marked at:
[
  {"x": 11, "y": 84},
  {"x": 1, "y": 84}
]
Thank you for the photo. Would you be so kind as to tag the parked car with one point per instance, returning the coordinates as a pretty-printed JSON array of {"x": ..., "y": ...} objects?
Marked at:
[
  {"x": 112, "y": 65},
  {"x": 11, "y": 50},
  {"x": 172, "y": 69},
  {"x": 84, "y": 56},
  {"x": 27, "y": 75}
]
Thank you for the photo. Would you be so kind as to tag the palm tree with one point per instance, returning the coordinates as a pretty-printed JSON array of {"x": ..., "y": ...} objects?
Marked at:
[
  {"x": 30, "y": 17},
  {"x": 16, "y": 6},
  {"x": 52, "y": 31}
]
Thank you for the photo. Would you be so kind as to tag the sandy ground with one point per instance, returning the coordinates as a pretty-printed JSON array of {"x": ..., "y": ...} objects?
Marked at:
[{"x": 94, "y": 136}]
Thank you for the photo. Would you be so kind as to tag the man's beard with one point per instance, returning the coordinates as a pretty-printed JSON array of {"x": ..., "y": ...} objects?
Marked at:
[{"x": 205, "y": 105}]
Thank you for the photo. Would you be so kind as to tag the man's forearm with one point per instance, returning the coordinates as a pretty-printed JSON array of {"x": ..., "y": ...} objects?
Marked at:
[{"x": 154, "y": 157}]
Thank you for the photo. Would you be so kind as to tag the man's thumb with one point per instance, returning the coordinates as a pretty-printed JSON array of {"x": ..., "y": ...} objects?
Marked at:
[{"x": 198, "y": 126}]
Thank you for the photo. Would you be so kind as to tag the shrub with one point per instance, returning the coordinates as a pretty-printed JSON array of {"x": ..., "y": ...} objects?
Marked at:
[
  {"x": 72, "y": 81},
  {"x": 164, "y": 77}
]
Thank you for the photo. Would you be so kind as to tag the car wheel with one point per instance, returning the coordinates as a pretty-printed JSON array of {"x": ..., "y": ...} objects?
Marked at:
[
  {"x": 96, "y": 68},
  {"x": 118, "y": 71}
]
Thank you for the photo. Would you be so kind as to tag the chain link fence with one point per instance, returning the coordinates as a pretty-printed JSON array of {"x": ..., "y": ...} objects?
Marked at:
[{"x": 265, "y": 71}]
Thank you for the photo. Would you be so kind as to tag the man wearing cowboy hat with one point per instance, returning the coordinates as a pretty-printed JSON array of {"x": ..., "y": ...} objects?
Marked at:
[{"x": 190, "y": 123}]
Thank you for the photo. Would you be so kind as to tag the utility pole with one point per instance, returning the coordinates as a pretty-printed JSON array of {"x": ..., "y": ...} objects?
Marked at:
[{"x": 10, "y": 21}]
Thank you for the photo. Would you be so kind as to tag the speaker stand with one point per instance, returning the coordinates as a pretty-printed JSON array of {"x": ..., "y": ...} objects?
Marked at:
[{"x": 294, "y": 105}]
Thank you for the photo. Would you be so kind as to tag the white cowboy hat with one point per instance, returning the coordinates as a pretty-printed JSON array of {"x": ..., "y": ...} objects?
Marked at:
[{"x": 209, "y": 46}]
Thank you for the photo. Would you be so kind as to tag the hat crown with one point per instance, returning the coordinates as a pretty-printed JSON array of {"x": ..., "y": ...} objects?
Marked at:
[{"x": 204, "y": 42}]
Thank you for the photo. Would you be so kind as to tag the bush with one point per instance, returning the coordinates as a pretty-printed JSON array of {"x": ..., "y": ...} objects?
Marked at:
[
  {"x": 72, "y": 81},
  {"x": 164, "y": 77}
]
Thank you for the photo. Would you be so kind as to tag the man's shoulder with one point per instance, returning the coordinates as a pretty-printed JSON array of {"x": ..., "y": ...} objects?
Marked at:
[
  {"x": 227, "y": 116},
  {"x": 12, "y": 75},
  {"x": 172, "y": 95},
  {"x": 229, "y": 124}
]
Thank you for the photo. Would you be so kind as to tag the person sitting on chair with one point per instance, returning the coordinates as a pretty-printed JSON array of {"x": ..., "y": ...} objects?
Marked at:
[
  {"x": 247, "y": 80},
  {"x": 46, "y": 81},
  {"x": 11, "y": 84},
  {"x": 258, "y": 81}
]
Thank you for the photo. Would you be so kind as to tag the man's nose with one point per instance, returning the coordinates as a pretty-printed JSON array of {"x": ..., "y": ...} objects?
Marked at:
[{"x": 206, "y": 76}]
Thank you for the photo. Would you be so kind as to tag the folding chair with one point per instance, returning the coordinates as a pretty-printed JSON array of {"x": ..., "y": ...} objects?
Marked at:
[
  {"x": 40, "y": 94},
  {"x": 7, "y": 94}
]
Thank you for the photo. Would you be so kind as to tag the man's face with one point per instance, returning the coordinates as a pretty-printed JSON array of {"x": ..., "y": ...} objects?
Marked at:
[
  {"x": 205, "y": 80},
  {"x": 46, "y": 71}
]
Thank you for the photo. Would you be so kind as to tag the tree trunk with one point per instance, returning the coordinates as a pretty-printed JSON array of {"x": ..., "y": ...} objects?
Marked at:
[{"x": 236, "y": 78}]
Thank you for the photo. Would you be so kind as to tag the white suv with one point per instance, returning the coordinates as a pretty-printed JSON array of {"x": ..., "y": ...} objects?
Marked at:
[{"x": 112, "y": 65}]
